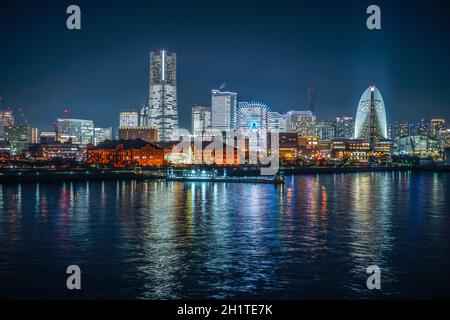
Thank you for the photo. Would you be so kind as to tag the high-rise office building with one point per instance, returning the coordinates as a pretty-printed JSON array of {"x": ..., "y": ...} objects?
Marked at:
[
  {"x": 102, "y": 134},
  {"x": 326, "y": 130},
  {"x": 370, "y": 123},
  {"x": 201, "y": 119},
  {"x": 128, "y": 119},
  {"x": 277, "y": 121},
  {"x": 436, "y": 125},
  {"x": 421, "y": 128},
  {"x": 302, "y": 122},
  {"x": 444, "y": 138},
  {"x": 223, "y": 110},
  {"x": 35, "y": 135},
  {"x": 6, "y": 120},
  {"x": 162, "y": 110},
  {"x": 19, "y": 137},
  {"x": 402, "y": 129},
  {"x": 76, "y": 130},
  {"x": 345, "y": 127}
]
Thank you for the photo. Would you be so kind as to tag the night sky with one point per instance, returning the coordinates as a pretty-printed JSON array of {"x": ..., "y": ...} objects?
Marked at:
[{"x": 264, "y": 50}]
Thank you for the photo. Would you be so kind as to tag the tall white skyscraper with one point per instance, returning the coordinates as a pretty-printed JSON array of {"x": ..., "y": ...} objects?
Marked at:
[
  {"x": 223, "y": 110},
  {"x": 201, "y": 119},
  {"x": 162, "y": 104}
]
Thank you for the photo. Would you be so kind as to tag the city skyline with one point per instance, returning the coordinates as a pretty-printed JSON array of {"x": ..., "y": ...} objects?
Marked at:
[
  {"x": 276, "y": 120},
  {"x": 280, "y": 83},
  {"x": 151, "y": 115},
  {"x": 232, "y": 158}
]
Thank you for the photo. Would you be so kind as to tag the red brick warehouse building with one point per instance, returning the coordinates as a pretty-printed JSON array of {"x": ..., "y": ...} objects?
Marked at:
[{"x": 120, "y": 153}]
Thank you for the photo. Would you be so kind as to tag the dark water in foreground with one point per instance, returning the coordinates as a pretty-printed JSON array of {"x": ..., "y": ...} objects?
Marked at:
[{"x": 314, "y": 237}]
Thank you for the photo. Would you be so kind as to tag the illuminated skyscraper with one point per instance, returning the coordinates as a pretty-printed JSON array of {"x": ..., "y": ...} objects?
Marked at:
[
  {"x": 302, "y": 122},
  {"x": 277, "y": 121},
  {"x": 436, "y": 125},
  {"x": 421, "y": 128},
  {"x": 370, "y": 121},
  {"x": 201, "y": 119},
  {"x": 162, "y": 104},
  {"x": 35, "y": 135},
  {"x": 345, "y": 127},
  {"x": 19, "y": 137},
  {"x": 6, "y": 120},
  {"x": 444, "y": 138},
  {"x": 326, "y": 130},
  {"x": 102, "y": 134},
  {"x": 223, "y": 110},
  {"x": 402, "y": 129},
  {"x": 128, "y": 119},
  {"x": 77, "y": 130}
]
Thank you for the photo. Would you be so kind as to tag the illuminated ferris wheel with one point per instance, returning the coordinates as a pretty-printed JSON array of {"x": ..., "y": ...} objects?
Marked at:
[
  {"x": 253, "y": 115},
  {"x": 253, "y": 119}
]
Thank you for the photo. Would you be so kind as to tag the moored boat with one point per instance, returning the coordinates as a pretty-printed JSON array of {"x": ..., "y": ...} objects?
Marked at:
[{"x": 211, "y": 176}]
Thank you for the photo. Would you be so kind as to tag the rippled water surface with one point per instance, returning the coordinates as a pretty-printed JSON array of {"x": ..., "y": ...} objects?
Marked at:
[{"x": 314, "y": 237}]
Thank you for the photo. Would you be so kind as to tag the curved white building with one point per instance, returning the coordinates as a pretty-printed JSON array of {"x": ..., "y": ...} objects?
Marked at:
[{"x": 370, "y": 123}]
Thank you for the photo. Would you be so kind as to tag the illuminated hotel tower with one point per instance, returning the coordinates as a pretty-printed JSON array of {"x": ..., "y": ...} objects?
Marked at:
[
  {"x": 370, "y": 123},
  {"x": 162, "y": 110},
  {"x": 223, "y": 110}
]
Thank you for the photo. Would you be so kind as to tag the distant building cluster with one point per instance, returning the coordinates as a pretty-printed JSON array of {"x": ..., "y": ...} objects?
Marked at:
[
  {"x": 68, "y": 140},
  {"x": 144, "y": 134}
]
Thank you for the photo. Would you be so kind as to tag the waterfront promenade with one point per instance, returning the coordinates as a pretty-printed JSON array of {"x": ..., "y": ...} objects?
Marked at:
[{"x": 81, "y": 174}]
